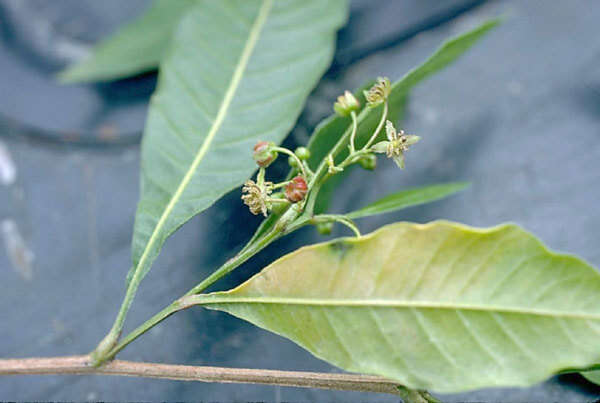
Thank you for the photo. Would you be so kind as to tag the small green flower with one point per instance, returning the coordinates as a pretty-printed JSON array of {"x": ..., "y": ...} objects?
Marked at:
[
  {"x": 379, "y": 92},
  {"x": 398, "y": 143},
  {"x": 346, "y": 104},
  {"x": 256, "y": 196}
]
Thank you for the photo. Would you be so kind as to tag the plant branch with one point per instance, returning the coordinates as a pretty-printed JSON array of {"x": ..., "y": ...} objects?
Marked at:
[
  {"x": 295, "y": 157},
  {"x": 81, "y": 365},
  {"x": 379, "y": 126},
  {"x": 353, "y": 135}
]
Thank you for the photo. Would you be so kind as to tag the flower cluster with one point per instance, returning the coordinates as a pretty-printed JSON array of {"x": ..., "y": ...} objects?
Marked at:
[{"x": 259, "y": 197}]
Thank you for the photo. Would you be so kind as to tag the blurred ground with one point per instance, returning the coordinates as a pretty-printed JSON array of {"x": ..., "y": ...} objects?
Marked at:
[{"x": 518, "y": 116}]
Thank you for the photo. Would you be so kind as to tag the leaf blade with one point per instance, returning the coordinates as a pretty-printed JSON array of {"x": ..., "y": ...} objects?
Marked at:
[
  {"x": 456, "y": 308},
  {"x": 135, "y": 48},
  {"x": 196, "y": 146},
  {"x": 409, "y": 198},
  {"x": 592, "y": 376}
]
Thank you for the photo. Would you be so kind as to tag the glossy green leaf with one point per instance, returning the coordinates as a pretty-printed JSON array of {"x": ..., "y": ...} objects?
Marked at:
[
  {"x": 592, "y": 376},
  {"x": 136, "y": 48},
  {"x": 440, "y": 306},
  {"x": 409, "y": 198},
  {"x": 238, "y": 72}
]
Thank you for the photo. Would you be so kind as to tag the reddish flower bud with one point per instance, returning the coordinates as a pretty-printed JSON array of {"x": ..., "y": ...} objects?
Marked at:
[
  {"x": 296, "y": 190},
  {"x": 264, "y": 154}
]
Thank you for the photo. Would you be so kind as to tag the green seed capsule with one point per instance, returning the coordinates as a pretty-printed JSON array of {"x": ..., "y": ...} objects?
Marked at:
[
  {"x": 292, "y": 162},
  {"x": 302, "y": 153},
  {"x": 368, "y": 162},
  {"x": 324, "y": 228}
]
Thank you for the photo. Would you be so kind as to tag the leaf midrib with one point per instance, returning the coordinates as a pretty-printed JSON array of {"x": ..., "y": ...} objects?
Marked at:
[
  {"x": 236, "y": 78},
  {"x": 209, "y": 299}
]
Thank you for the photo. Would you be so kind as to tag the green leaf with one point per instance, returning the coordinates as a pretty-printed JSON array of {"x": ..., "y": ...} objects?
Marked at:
[
  {"x": 409, "y": 198},
  {"x": 440, "y": 306},
  {"x": 135, "y": 48},
  {"x": 592, "y": 376},
  {"x": 237, "y": 72}
]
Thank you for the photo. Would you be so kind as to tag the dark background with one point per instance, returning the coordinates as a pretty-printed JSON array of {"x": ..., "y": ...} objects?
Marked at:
[{"x": 518, "y": 116}]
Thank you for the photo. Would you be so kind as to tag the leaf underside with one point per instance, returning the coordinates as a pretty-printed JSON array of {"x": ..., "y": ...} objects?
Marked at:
[
  {"x": 439, "y": 306},
  {"x": 135, "y": 48},
  {"x": 237, "y": 72}
]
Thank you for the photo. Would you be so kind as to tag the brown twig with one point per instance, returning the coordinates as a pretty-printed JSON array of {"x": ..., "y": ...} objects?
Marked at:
[{"x": 80, "y": 365}]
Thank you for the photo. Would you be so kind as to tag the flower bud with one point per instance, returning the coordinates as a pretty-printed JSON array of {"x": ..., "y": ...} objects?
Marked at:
[
  {"x": 264, "y": 154},
  {"x": 346, "y": 104},
  {"x": 296, "y": 190},
  {"x": 303, "y": 153},
  {"x": 368, "y": 162},
  {"x": 279, "y": 207},
  {"x": 324, "y": 228}
]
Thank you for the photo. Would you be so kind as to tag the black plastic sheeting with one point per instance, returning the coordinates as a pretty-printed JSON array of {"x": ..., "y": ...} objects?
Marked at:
[{"x": 518, "y": 116}]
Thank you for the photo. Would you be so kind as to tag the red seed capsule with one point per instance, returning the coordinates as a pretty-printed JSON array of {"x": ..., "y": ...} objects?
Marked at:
[
  {"x": 296, "y": 190},
  {"x": 263, "y": 154}
]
